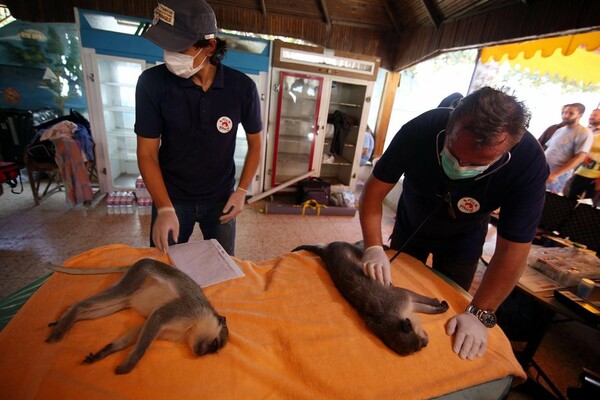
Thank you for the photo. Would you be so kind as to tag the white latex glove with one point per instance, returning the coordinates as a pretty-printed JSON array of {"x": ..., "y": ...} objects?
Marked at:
[
  {"x": 376, "y": 265},
  {"x": 166, "y": 221},
  {"x": 471, "y": 336},
  {"x": 234, "y": 205}
]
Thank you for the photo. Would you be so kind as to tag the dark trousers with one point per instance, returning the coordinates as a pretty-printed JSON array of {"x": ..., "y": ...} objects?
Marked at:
[
  {"x": 460, "y": 271},
  {"x": 580, "y": 185},
  {"x": 207, "y": 217}
]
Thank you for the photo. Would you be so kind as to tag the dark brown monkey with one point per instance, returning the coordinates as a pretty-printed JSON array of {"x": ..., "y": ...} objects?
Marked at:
[
  {"x": 175, "y": 307},
  {"x": 387, "y": 310}
]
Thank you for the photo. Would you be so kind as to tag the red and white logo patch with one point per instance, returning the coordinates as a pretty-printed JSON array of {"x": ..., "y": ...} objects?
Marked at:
[
  {"x": 468, "y": 205},
  {"x": 224, "y": 124}
]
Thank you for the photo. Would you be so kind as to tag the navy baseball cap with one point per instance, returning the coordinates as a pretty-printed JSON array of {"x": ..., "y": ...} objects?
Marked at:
[{"x": 178, "y": 24}]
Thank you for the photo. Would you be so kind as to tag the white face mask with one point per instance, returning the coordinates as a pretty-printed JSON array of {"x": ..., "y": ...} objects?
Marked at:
[{"x": 182, "y": 65}]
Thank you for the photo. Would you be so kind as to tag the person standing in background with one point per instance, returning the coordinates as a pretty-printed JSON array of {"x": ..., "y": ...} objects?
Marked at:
[
  {"x": 547, "y": 134},
  {"x": 567, "y": 148},
  {"x": 187, "y": 115},
  {"x": 586, "y": 180},
  {"x": 368, "y": 146}
]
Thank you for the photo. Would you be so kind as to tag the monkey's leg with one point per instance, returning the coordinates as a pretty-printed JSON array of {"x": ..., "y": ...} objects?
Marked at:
[
  {"x": 116, "y": 345},
  {"x": 426, "y": 305},
  {"x": 100, "y": 305},
  {"x": 155, "y": 323},
  {"x": 113, "y": 299}
]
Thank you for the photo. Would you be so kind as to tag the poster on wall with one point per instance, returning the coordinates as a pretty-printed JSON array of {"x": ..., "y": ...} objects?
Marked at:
[{"x": 40, "y": 68}]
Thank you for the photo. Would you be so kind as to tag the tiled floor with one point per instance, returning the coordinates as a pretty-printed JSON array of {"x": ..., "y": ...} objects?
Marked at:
[{"x": 32, "y": 235}]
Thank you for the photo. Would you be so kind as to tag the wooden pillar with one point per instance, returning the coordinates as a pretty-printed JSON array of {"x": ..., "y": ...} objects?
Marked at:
[{"x": 392, "y": 80}]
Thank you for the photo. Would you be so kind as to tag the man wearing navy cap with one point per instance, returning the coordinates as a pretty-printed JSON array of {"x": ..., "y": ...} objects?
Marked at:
[{"x": 187, "y": 114}]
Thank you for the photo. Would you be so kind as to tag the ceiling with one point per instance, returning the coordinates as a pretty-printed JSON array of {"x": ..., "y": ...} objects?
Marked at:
[{"x": 399, "y": 32}]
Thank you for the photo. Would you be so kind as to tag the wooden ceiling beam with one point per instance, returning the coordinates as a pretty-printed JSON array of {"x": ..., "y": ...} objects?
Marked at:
[
  {"x": 325, "y": 12},
  {"x": 433, "y": 13},
  {"x": 263, "y": 7},
  {"x": 388, "y": 9}
]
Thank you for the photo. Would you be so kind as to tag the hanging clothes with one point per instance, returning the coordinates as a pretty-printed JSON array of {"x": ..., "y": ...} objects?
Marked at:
[
  {"x": 73, "y": 171},
  {"x": 342, "y": 124}
]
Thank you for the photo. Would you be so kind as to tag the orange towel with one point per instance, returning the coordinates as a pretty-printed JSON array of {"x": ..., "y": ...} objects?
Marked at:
[{"x": 292, "y": 336}]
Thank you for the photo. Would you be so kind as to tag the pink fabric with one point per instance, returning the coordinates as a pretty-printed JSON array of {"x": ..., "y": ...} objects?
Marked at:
[{"x": 73, "y": 171}]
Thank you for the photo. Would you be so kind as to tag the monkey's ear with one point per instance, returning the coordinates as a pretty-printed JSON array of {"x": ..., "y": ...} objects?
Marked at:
[{"x": 222, "y": 320}]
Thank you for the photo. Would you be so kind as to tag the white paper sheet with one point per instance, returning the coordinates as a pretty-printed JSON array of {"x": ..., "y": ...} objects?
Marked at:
[{"x": 206, "y": 262}]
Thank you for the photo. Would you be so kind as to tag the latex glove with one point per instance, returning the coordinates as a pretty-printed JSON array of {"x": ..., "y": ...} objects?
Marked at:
[
  {"x": 376, "y": 265},
  {"x": 166, "y": 222},
  {"x": 234, "y": 205},
  {"x": 471, "y": 336}
]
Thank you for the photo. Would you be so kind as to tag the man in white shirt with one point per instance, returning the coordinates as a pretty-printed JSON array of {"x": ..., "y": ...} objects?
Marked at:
[
  {"x": 567, "y": 148},
  {"x": 586, "y": 181}
]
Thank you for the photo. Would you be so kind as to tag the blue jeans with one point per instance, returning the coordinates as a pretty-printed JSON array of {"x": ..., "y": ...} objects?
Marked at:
[
  {"x": 207, "y": 217},
  {"x": 558, "y": 185}
]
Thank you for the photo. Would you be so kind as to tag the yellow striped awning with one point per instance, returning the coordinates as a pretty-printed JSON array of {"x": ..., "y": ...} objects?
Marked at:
[{"x": 574, "y": 57}]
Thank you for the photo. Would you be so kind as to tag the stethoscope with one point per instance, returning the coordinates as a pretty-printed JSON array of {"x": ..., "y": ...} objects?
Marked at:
[{"x": 446, "y": 198}]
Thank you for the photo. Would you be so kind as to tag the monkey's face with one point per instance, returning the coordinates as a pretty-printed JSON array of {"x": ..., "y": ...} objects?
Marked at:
[
  {"x": 209, "y": 343},
  {"x": 403, "y": 336},
  {"x": 410, "y": 337}
]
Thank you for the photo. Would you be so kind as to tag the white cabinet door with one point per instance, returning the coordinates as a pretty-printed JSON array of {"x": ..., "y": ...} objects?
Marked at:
[
  {"x": 345, "y": 112},
  {"x": 241, "y": 142},
  {"x": 293, "y": 126},
  {"x": 111, "y": 104},
  {"x": 117, "y": 78}
]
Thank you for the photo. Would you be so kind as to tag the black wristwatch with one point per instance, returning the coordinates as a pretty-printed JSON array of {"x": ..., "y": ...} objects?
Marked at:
[{"x": 487, "y": 318}]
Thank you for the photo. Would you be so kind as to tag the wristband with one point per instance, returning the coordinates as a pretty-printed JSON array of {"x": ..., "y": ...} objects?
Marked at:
[
  {"x": 165, "y": 209},
  {"x": 242, "y": 189}
]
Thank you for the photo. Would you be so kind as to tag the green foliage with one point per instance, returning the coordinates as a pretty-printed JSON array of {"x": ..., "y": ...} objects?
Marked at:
[
  {"x": 444, "y": 60},
  {"x": 535, "y": 79}
]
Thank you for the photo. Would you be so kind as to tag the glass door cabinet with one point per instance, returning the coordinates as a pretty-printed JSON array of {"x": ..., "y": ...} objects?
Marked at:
[{"x": 296, "y": 128}]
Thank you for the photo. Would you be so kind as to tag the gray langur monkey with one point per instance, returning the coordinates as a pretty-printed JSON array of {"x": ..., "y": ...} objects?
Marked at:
[
  {"x": 388, "y": 311},
  {"x": 175, "y": 307}
]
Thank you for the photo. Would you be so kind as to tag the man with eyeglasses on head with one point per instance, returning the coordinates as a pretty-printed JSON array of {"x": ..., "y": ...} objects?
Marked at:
[{"x": 459, "y": 166}]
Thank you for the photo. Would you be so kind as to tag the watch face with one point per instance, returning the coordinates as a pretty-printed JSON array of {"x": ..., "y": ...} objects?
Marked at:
[{"x": 488, "y": 319}]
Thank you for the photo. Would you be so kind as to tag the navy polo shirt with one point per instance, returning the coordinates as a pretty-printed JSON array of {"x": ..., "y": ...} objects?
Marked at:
[
  {"x": 516, "y": 186},
  {"x": 197, "y": 129}
]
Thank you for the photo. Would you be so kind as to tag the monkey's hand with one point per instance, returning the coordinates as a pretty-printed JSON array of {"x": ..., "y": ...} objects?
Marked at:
[
  {"x": 93, "y": 357},
  {"x": 470, "y": 338},
  {"x": 57, "y": 333},
  {"x": 166, "y": 222}
]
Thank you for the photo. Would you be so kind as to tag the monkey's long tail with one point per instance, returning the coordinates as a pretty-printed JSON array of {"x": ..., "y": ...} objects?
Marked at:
[
  {"x": 86, "y": 271},
  {"x": 314, "y": 249}
]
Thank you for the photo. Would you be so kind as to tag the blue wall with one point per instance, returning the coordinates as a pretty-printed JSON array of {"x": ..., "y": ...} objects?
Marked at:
[{"x": 132, "y": 46}]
